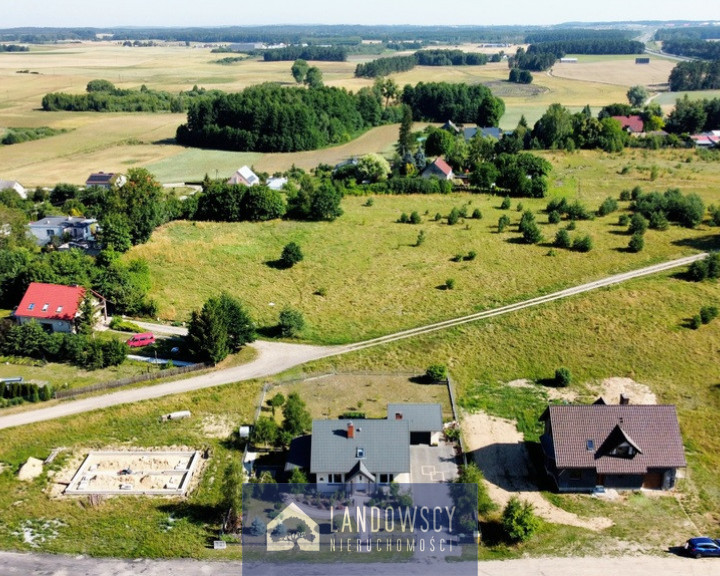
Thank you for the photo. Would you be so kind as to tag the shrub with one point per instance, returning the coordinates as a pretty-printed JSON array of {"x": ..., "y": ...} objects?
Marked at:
[
  {"x": 369, "y": 202},
  {"x": 459, "y": 257},
  {"x": 658, "y": 221},
  {"x": 519, "y": 520},
  {"x": 638, "y": 224},
  {"x": 583, "y": 243},
  {"x": 623, "y": 220},
  {"x": 438, "y": 217},
  {"x": 291, "y": 255},
  {"x": 420, "y": 238},
  {"x": 121, "y": 325},
  {"x": 505, "y": 203},
  {"x": 258, "y": 527},
  {"x": 462, "y": 211},
  {"x": 291, "y": 322},
  {"x": 477, "y": 215},
  {"x": 713, "y": 265},
  {"x": 453, "y": 217},
  {"x": 562, "y": 239},
  {"x": 578, "y": 211},
  {"x": 415, "y": 218},
  {"x": 609, "y": 205},
  {"x": 708, "y": 314},
  {"x": 532, "y": 234},
  {"x": 695, "y": 322},
  {"x": 519, "y": 207},
  {"x": 404, "y": 218},
  {"x": 637, "y": 243},
  {"x": 471, "y": 255},
  {"x": 450, "y": 284},
  {"x": 698, "y": 271},
  {"x": 562, "y": 377},
  {"x": 625, "y": 196},
  {"x": 571, "y": 225},
  {"x": 554, "y": 217},
  {"x": 636, "y": 193},
  {"x": 436, "y": 373},
  {"x": 503, "y": 222}
]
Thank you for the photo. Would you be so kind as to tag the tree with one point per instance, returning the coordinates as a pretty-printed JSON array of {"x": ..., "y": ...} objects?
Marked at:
[
  {"x": 299, "y": 70},
  {"x": 258, "y": 527},
  {"x": 405, "y": 139},
  {"x": 519, "y": 520},
  {"x": 637, "y": 95},
  {"x": 436, "y": 373},
  {"x": 562, "y": 239},
  {"x": 506, "y": 203},
  {"x": 85, "y": 321},
  {"x": 471, "y": 474},
  {"x": 529, "y": 228},
  {"x": 265, "y": 431},
  {"x": 563, "y": 377},
  {"x": 291, "y": 255},
  {"x": 276, "y": 402},
  {"x": 207, "y": 338},
  {"x": 115, "y": 232},
  {"x": 689, "y": 116},
  {"x": 291, "y": 322},
  {"x": 638, "y": 224},
  {"x": 238, "y": 324},
  {"x": 372, "y": 168},
  {"x": 232, "y": 487},
  {"x": 708, "y": 314},
  {"x": 143, "y": 197},
  {"x": 314, "y": 77},
  {"x": 484, "y": 176},
  {"x": 637, "y": 242},
  {"x": 583, "y": 243},
  {"x": 388, "y": 88},
  {"x": 296, "y": 418},
  {"x": 503, "y": 222},
  {"x": 554, "y": 128},
  {"x": 297, "y": 476}
]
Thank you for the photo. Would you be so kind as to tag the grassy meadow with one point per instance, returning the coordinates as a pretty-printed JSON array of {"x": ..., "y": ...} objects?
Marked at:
[{"x": 373, "y": 278}]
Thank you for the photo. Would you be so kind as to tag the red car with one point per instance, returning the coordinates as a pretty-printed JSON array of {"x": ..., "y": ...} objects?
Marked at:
[{"x": 144, "y": 339}]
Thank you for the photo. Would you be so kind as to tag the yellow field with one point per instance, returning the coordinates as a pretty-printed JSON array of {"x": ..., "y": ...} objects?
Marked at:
[{"x": 116, "y": 142}]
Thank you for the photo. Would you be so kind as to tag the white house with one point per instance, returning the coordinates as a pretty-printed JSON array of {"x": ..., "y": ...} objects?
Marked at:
[
  {"x": 244, "y": 176},
  {"x": 14, "y": 185},
  {"x": 78, "y": 228}
]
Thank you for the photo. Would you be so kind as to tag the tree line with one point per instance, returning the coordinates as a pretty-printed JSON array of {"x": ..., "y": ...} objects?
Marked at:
[
  {"x": 693, "y": 48},
  {"x": 575, "y": 35},
  {"x": 461, "y": 103},
  {"x": 696, "y": 75},
  {"x": 13, "y": 48},
  {"x": 319, "y": 53},
  {"x": 394, "y": 64},
  {"x": 543, "y": 55},
  {"x": 103, "y": 96}
]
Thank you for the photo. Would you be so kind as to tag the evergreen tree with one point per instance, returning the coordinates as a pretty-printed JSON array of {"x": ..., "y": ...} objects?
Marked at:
[{"x": 405, "y": 140}]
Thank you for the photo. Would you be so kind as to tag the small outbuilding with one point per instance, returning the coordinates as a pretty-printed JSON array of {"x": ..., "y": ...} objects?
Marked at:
[
  {"x": 439, "y": 169},
  {"x": 244, "y": 176},
  {"x": 425, "y": 421}
]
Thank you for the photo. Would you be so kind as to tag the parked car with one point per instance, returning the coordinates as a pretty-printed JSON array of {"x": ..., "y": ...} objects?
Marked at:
[
  {"x": 144, "y": 339},
  {"x": 701, "y": 547}
]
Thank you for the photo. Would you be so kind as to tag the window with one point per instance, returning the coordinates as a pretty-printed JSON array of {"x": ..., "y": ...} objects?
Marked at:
[
  {"x": 45, "y": 307},
  {"x": 335, "y": 479},
  {"x": 385, "y": 478},
  {"x": 575, "y": 474},
  {"x": 59, "y": 309},
  {"x": 590, "y": 445},
  {"x": 31, "y": 306},
  {"x": 360, "y": 453}
]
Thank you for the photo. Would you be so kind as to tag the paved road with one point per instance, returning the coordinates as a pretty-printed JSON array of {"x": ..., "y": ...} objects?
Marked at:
[
  {"x": 12, "y": 564},
  {"x": 276, "y": 357}
]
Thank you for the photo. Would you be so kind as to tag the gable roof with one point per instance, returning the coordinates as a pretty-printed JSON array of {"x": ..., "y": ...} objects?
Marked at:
[
  {"x": 583, "y": 436},
  {"x": 420, "y": 417},
  {"x": 14, "y": 185},
  {"x": 385, "y": 446},
  {"x": 450, "y": 126},
  {"x": 244, "y": 176},
  {"x": 50, "y": 302},
  {"x": 439, "y": 166},
  {"x": 105, "y": 179},
  {"x": 632, "y": 123}
]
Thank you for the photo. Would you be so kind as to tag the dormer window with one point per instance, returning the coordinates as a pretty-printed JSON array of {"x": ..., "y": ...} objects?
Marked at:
[
  {"x": 31, "y": 306},
  {"x": 623, "y": 450},
  {"x": 59, "y": 309},
  {"x": 590, "y": 445},
  {"x": 360, "y": 453},
  {"x": 45, "y": 307}
]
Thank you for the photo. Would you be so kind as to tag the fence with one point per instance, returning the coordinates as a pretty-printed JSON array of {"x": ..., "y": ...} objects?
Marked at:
[
  {"x": 127, "y": 381},
  {"x": 451, "y": 392}
]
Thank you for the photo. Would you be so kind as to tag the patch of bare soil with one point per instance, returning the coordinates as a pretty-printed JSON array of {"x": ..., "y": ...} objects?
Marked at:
[
  {"x": 609, "y": 390},
  {"x": 499, "y": 451},
  {"x": 216, "y": 426}
]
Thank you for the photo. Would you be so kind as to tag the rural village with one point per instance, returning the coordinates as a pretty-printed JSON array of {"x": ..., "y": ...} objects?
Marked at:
[{"x": 255, "y": 282}]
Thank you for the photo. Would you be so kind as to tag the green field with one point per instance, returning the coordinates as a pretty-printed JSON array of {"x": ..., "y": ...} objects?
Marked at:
[{"x": 376, "y": 281}]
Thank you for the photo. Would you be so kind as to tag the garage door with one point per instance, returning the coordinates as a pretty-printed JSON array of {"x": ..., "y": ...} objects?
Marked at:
[
  {"x": 653, "y": 480},
  {"x": 420, "y": 438}
]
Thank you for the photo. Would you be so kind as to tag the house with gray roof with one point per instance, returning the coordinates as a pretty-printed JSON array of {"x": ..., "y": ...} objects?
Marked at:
[
  {"x": 623, "y": 446},
  {"x": 106, "y": 180},
  {"x": 74, "y": 228},
  {"x": 14, "y": 185},
  {"x": 362, "y": 454}
]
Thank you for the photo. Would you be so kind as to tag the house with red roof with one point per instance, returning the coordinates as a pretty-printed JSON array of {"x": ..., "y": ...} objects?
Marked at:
[
  {"x": 54, "y": 306},
  {"x": 439, "y": 169},
  {"x": 631, "y": 124}
]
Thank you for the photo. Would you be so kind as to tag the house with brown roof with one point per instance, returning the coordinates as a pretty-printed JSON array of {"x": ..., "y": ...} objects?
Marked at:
[
  {"x": 55, "y": 307},
  {"x": 631, "y": 124},
  {"x": 438, "y": 169},
  {"x": 623, "y": 446}
]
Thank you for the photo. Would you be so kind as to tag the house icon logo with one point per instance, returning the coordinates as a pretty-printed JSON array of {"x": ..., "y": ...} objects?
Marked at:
[{"x": 292, "y": 529}]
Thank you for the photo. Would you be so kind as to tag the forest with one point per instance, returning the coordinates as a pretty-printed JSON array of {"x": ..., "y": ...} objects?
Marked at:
[
  {"x": 319, "y": 53},
  {"x": 394, "y": 64},
  {"x": 696, "y": 75},
  {"x": 13, "y": 48},
  {"x": 461, "y": 103},
  {"x": 693, "y": 48},
  {"x": 103, "y": 96}
]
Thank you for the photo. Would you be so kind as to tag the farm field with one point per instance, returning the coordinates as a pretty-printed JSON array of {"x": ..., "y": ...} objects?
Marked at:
[
  {"x": 375, "y": 281},
  {"x": 117, "y": 141}
]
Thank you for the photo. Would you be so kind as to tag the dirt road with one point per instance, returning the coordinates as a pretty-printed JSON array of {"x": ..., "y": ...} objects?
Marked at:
[
  {"x": 12, "y": 564},
  {"x": 276, "y": 357}
]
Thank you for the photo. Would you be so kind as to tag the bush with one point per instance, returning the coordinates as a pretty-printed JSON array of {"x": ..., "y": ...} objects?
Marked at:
[
  {"x": 477, "y": 215},
  {"x": 436, "y": 373},
  {"x": 404, "y": 218},
  {"x": 519, "y": 520},
  {"x": 450, "y": 284},
  {"x": 562, "y": 239},
  {"x": 554, "y": 217},
  {"x": 420, "y": 238},
  {"x": 453, "y": 217},
  {"x": 708, "y": 314},
  {"x": 519, "y": 207},
  {"x": 121, "y": 325},
  {"x": 695, "y": 322},
  {"x": 415, "y": 218},
  {"x": 291, "y": 255},
  {"x": 658, "y": 221},
  {"x": 583, "y": 243},
  {"x": 712, "y": 263},
  {"x": 471, "y": 255},
  {"x": 623, "y": 220},
  {"x": 571, "y": 225},
  {"x": 505, "y": 203},
  {"x": 625, "y": 196},
  {"x": 637, "y": 243},
  {"x": 562, "y": 378},
  {"x": 578, "y": 211},
  {"x": 459, "y": 257},
  {"x": 638, "y": 224},
  {"x": 609, "y": 205},
  {"x": 291, "y": 322},
  {"x": 503, "y": 222},
  {"x": 698, "y": 271}
]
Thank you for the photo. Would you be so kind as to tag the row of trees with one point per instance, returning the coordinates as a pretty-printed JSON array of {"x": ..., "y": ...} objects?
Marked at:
[
  {"x": 296, "y": 421},
  {"x": 693, "y": 48},
  {"x": 692, "y": 116},
  {"x": 695, "y": 75},
  {"x": 318, "y": 53},
  {"x": 13, "y": 48},
  {"x": 103, "y": 96},
  {"x": 394, "y": 64},
  {"x": 462, "y": 103}
]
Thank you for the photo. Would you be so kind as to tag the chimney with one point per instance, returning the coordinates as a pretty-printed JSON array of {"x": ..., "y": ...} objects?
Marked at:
[
  {"x": 398, "y": 415},
  {"x": 624, "y": 399},
  {"x": 350, "y": 430}
]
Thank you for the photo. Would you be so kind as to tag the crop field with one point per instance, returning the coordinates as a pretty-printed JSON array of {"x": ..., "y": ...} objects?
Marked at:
[
  {"x": 374, "y": 279},
  {"x": 117, "y": 141}
]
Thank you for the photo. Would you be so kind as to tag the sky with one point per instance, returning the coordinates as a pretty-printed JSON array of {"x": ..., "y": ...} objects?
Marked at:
[{"x": 103, "y": 13}]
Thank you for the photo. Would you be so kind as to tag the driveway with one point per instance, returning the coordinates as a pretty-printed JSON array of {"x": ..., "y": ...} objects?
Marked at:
[{"x": 430, "y": 464}]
